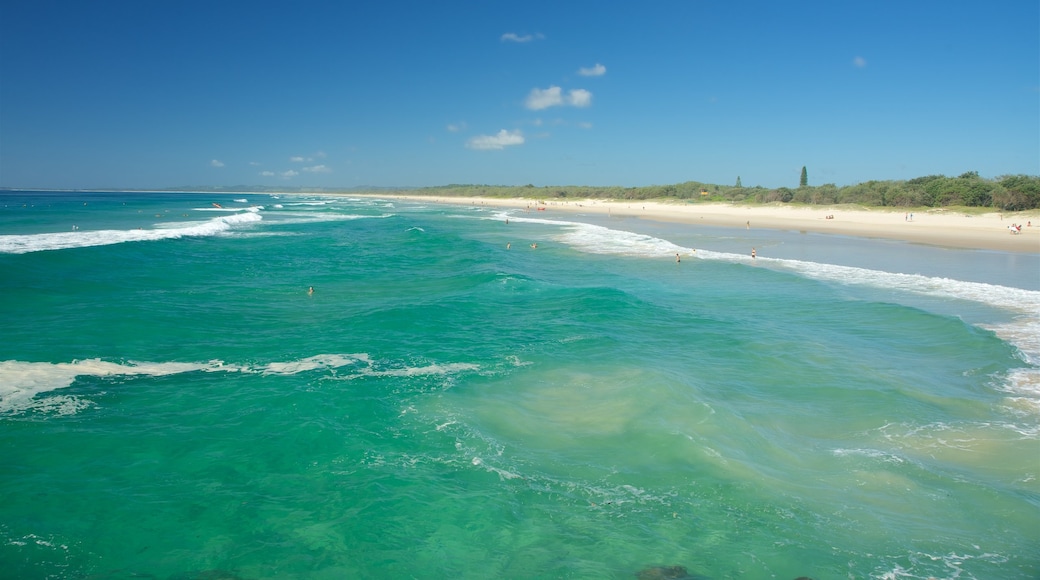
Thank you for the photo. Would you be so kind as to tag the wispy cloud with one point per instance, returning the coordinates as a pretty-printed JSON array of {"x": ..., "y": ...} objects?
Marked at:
[
  {"x": 216, "y": 163},
  {"x": 596, "y": 71},
  {"x": 289, "y": 174},
  {"x": 456, "y": 127},
  {"x": 267, "y": 173},
  {"x": 859, "y": 62},
  {"x": 307, "y": 159},
  {"x": 501, "y": 140},
  {"x": 554, "y": 97},
  {"x": 514, "y": 37},
  {"x": 317, "y": 169},
  {"x": 255, "y": 163}
]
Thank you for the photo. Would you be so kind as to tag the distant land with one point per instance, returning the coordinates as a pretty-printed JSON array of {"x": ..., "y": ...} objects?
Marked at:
[{"x": 1004, "y": 193}]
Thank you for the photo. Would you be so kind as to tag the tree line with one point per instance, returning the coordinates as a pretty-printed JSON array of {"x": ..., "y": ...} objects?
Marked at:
[{"x": 1006, "y": 193}]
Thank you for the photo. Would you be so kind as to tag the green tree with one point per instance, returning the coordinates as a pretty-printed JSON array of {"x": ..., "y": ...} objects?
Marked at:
[
  {"x": 805, "y": 178},
  {"x": 1020, "y": 192},
  {"x": 738, "y": 182}
]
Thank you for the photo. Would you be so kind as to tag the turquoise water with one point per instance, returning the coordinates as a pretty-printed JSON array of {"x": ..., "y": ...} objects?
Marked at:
[{"x": 452, "y": 403}]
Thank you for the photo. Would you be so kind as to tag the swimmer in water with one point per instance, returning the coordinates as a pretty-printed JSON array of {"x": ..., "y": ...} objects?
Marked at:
[{"x": 310, "y": 290}]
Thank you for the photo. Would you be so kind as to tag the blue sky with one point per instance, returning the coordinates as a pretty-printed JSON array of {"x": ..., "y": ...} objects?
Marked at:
[{"x": 149, "y": 94}]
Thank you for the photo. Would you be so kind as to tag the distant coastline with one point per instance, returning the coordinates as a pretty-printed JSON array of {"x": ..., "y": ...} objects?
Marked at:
[
  {"x": 982, "y": 228},
  {"x": 969, "y": 190},
  {"x": 945, "y": 227}
]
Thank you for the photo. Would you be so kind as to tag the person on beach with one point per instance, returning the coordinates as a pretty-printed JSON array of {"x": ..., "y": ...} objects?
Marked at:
[{"x": 752, "y": 253}]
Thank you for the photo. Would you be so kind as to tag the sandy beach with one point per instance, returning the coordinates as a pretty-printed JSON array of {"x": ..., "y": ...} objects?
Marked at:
[{"x": 939, "y": 227}]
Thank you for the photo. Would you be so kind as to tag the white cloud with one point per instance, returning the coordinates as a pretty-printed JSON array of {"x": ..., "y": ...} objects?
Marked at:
[
  {"x": 254, "y": 163},
  {"x": 216, "y": 163},
  {"x": 596, "y": 71},
  {"x": 859, "y": 62},
  {"x": 267, "y": 173},
  {"x": 514, "y": 37},
  {"x": 553, "y": 96},
  {"x": 456, "y": 127},
  {"x": 585, "y": 125},
  {"x": 580, "y": 98},
  {"x": 543, "y": 99},
  {"x": 501, "y": 140},
  {"x": 317, "y": 169},
  {"x": 289, "y": 174},
  {"x": 297, "y": 159}
]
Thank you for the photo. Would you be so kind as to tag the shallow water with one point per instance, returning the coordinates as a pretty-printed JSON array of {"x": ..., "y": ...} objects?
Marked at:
[{"x": 176, "y": 405}]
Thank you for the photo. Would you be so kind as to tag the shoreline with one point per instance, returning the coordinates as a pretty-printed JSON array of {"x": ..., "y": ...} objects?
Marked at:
[{"x": 936, "y": 227}]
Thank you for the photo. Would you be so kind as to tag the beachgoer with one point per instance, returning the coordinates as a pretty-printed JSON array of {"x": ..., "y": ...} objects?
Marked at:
[
  {"x": 310, "y": 290},
  {"x": 509, "y": 245},
  {"x": 752, "y": 253},
  {"x": 534, "y": 246},
  {"x": 748, "y": 224},
  {"x": 677, "y": 258}
]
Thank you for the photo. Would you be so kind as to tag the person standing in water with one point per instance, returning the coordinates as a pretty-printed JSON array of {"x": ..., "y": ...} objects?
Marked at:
[
  {"x": 310, "y": 290},
  {"x": 752, "y": 253}
]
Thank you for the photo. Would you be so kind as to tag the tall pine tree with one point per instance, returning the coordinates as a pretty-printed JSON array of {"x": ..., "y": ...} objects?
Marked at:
[
  {"x": 805, "y": 178},
  {"x": 738, "y": 182}
]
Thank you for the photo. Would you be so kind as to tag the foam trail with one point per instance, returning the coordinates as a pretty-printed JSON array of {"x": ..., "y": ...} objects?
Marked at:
[
  {"x": 595, "y": 239},
  {"x": 21, "y": 382},
  {"x": 23, "y": 244},
  {"x": 321, "y": 361}
]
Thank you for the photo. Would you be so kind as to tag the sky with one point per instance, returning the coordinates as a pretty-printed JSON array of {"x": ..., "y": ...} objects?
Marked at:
[{"x": 395, "y": 93}]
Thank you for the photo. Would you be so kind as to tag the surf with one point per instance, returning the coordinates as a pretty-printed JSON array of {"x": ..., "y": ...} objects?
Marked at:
[{"x": 28, "y": 243}]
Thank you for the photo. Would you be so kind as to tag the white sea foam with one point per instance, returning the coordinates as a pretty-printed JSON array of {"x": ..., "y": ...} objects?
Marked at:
[
  {"x": 295, "y": 217},
  {"x": 595, "y": 239},
  {"x": 21, "y": 382},
  {"x": 321, "y": 361},
  {"x": 22, "y": 244}
]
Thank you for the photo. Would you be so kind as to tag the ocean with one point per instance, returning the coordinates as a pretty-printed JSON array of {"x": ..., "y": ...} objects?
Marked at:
[{"x": 451, "y": 402}]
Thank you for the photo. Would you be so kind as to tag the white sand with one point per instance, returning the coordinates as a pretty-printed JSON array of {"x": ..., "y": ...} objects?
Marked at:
[{"x": 940, "y": 227}]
